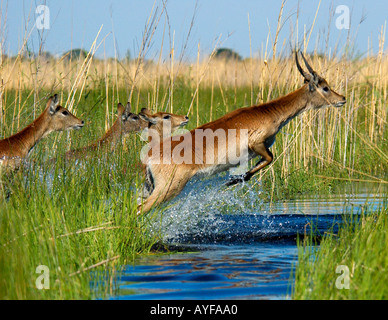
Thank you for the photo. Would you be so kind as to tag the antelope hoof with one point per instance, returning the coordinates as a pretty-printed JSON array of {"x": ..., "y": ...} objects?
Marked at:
[{"x": 235, "y": 180}]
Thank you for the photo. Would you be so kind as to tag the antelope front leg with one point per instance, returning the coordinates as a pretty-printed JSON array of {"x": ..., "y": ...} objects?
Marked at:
[
  {"x": 165, "y": 189},
  {"x": 266, "y": 159}
]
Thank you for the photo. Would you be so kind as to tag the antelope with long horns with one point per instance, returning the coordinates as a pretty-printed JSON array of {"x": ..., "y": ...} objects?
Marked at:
[
  {"x": 54, "y": 118},
  {"x": 261, "y": 123}
]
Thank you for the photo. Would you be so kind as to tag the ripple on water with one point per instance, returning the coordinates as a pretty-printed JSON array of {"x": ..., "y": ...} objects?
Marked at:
[
  {"x": 208, "y": 212},
  {"x": 216, "y": 272},
  {"x": 234, "y": 255}
]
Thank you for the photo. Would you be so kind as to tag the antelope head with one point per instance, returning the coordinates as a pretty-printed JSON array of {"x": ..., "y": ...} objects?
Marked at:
[
  {"x": 158, "y": 120},
  {"x": 60, "y": 118},
  {"x": 321, "y": 95},
  {"x": 130, "y": 122}
]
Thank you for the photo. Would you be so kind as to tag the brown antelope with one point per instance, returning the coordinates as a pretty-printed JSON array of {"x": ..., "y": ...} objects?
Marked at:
[
  {"x": 261, "y": 123},
  {"x": 160, "y": 120},
  {"x": 164, "y": 125},
  {"x": 125, "y": 123},
  {"x": 53, "y": 118}
]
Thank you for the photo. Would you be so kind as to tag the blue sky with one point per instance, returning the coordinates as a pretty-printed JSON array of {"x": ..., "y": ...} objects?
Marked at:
[{"x": 75, "y": 24}]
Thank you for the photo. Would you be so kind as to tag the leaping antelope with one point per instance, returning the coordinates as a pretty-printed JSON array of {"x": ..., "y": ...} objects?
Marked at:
[
  {"x": 54, "y": 118},
  {"x": 164, "y": 125},
  {"x": 262, "y": 123}
]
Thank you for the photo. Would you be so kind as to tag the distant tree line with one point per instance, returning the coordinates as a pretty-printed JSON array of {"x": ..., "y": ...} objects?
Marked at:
[
  {"x": 75, "y": 54},
  {"x": 227, "y": 54}
]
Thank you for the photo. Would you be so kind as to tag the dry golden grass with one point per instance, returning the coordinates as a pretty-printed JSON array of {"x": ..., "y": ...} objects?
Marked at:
[
  {"x": 363, "y": 81},
  {"x": 60, "y": 74},
  {"x": 319, "y": 136}
]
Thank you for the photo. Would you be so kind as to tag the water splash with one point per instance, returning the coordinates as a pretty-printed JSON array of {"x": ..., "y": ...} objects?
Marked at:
[
  {"x": 208, "y": 212},
  {"x": 201, "y": 207}
]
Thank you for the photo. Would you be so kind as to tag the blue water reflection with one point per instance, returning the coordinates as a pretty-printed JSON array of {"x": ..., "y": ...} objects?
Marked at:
[
  {"x": 250, "y": 271},
  {"x": 238, "y": 255}
]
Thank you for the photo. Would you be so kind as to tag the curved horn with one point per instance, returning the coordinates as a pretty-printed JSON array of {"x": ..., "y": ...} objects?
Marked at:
[
  {"x": 302, "y": 72},
  {"x": 298, "y": 65},
  {"x": 307, "y": 64}
]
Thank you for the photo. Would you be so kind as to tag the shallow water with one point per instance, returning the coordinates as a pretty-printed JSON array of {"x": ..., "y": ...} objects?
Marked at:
[
  {"x": 249, "y": 271},
  {"x": 245, "y": 254}
]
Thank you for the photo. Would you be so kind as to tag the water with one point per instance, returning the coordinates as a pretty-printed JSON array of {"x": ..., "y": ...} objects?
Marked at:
[
  {"x": 250, "y": 271},
  {"x": 247, "y": 253}
]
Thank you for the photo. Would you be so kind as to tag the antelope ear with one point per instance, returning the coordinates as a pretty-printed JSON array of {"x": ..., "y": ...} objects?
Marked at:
[
  {"x": 145, "y": 117},
  {"x": 53, "y": 104},
  {"x": 126, "y": 112},
  {"x": 120, "y": 109},
  {"x": 145, "y": 111},
  {"x": 313, "y": 82},
  {"x": 128, "y": 108}
]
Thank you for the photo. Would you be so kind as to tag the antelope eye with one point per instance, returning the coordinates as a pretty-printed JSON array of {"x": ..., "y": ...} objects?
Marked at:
[
  {"x": 65, "y": 113},
  {"x": 326, "y": 89},
  {"x": 135, "y": 118},
  {"x": 167, "y": 117}
]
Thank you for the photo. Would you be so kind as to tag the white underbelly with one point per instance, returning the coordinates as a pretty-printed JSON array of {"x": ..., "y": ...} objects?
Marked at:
[
  {"x": 214, "y": 169},
  {"x": 221, "y": 167}
]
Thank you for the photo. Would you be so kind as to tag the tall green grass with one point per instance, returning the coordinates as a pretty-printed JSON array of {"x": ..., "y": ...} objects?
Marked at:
[
  {"x": 359, "y": 250},
  {"x": 74, "y": 217},
  {"x": 79, "y": 217},
  {"x": 70, "y": 219}
]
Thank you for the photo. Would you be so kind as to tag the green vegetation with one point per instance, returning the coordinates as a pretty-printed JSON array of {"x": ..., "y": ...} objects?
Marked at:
[
  {"x": 358, "y": 250},
  {"x": 71, "y": 217},
  {"x": 79, "y": 217}
]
